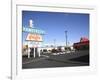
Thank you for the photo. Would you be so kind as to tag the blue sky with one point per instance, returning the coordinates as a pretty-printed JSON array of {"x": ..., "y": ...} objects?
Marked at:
[{"x": 55, "y": 24}]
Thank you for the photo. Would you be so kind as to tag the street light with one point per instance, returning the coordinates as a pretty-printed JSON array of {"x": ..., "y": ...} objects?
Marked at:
[
  {"x": 66, "y": 37},
  {"x": 54, "y": 43}
]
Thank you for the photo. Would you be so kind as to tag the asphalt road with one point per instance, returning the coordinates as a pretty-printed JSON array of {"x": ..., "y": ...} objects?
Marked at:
[{"x": 79, "y": 58}]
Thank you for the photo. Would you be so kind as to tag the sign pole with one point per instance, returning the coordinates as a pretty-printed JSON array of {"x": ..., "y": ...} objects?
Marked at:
[
  {"x": 39, "y": 52},
  {"x": 28, "y": 52},
  {"x": 34, "y": 52}
]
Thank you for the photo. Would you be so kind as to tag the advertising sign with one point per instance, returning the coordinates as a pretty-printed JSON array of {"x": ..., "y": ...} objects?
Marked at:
[
  {"x": 33, "y": 30},
  {"x": 34, "y": 37}
]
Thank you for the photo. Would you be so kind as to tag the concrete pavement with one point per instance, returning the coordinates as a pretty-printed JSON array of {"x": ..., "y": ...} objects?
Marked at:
[{"x": 61, "y": 60}]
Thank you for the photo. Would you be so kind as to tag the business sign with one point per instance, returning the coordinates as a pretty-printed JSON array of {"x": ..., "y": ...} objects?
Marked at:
[
  {"x": 34, "y": 37},
  {"x": 33, "y": 30}
]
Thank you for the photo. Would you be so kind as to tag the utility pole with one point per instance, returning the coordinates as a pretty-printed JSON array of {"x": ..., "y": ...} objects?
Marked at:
[{"x": 66, "y": 37}]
